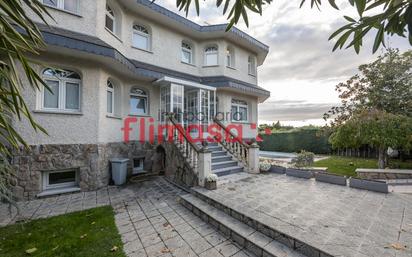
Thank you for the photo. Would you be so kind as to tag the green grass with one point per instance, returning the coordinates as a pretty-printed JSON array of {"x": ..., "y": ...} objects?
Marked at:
[
  {"x": 347, "y": 165},
  {"x": 86, "y": 233}
]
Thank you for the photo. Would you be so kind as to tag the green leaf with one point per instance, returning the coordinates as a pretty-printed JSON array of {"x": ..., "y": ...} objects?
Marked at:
[
  {"x": 378, "y": 38},
  {"x": 349, "y": 19},
  {"x": 333, "y": 4},
  {"x": 360, "y": 6}
]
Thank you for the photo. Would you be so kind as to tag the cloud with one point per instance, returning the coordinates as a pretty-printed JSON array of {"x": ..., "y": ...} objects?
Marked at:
[
  {"x": 285, "y": 110},
  {"x": 300, "y": 67}
]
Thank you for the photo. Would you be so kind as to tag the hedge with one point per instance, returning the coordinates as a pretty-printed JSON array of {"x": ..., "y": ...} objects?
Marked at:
[{"x": 296, "y": 140}]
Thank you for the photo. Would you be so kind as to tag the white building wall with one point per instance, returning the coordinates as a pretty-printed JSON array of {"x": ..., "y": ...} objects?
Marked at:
[{"x": 166, "y": 42}]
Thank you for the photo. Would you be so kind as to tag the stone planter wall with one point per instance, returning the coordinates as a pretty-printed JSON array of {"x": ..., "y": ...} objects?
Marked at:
[
  {"x": 331, "y": 178},
  {"x": 299, "y": 173},
  {"x": 370, "y": 185},
  {"x": 92, "y": 161}
]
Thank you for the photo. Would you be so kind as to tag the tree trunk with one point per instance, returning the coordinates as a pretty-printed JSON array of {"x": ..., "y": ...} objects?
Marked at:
[{"x": 381, "y": 158}]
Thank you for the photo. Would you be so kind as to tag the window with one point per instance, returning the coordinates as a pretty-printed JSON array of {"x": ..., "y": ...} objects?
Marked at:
[
  {"x": 110, "y": 97},
  {"x": 187, "y": 54},
  {"x": 64, "y": 93},
  {"x": 239, "y": 110},
  {"x": 138, "y": 102},
  {"x": 141, "y": 37},
  {"x": 251, "y": 65},
  {"x": 211, "y": 56},
  {"x": 67, "y": 5},
  {"x": 110, "y": 19},
  {"x": 230, "y": 58},
  {"x": 60, "y": 179},
  {"x": 138, "y": 165}
]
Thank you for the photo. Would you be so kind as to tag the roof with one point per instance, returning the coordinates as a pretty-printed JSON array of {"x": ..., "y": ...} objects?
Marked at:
[
  {"x": 85, "y": 43},
  {"x": 209, "y": 28}
]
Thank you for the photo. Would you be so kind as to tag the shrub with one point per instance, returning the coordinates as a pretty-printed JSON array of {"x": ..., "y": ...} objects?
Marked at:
[
  {"x": 304, "y": 159},
  {"x": 264, "y": 166}
]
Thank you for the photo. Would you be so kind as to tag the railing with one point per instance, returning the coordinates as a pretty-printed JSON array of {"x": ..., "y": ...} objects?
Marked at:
[
  {"x": 233, "y": 144},
  {"x": 177, "y": 134}
]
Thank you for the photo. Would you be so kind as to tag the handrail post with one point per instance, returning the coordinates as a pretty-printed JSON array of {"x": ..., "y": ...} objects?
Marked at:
[
  {"x": 253, "y": 158},
  {"x": 205, "y": 163}
]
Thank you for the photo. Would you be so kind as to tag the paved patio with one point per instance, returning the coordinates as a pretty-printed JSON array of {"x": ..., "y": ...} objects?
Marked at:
[
  {"x": 150, "y": 220},
  {"x": 339, "y": 220}
]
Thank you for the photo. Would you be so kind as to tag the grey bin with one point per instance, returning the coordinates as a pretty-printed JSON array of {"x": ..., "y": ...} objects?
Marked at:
[{"x": 119, "y": 170}]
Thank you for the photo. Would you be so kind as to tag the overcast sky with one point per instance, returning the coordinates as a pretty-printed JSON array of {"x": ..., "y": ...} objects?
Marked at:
[{"x": 300, "y": 71}]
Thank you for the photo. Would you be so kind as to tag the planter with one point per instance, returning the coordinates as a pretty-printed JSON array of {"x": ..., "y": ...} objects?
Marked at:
[
  {"x": 299, "y": 173},
  {"x": 277, "y": 169},
  {"x": 331, "y": 178},
  {"x": 371, "y": 185},
  {"x": 211, "y": 185}
]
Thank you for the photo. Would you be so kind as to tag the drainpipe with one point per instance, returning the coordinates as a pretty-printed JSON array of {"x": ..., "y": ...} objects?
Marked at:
[{"x": 205, "y": 163}]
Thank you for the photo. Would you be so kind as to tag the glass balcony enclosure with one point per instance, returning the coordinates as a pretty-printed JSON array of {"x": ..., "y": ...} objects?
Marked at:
[{"x": 192, "y": 104}]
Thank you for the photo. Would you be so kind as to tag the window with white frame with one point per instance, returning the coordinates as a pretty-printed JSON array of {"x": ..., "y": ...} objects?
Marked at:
[
  {"x": 64, "y": 90},
  {"x": 60, "y": 179},
  {"x": 138, "y": 102},
  {"x": 251, "y": 65},
  {"x": 67, "y": 5},
  {"x": 187, "y": 53},
  {"x": 138, "y": 164},
  {"x": 239, "y": 110},
  {"x": 141, "y": 37},
  {"x": 110, "y": 22},
  {"x": 110, "y": 97},
  {"x": 211, "y": 56},
  {"x": 230, "y": 58}
]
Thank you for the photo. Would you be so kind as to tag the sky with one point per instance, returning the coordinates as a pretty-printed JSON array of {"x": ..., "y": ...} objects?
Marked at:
[{"x": 300, "y": 71}]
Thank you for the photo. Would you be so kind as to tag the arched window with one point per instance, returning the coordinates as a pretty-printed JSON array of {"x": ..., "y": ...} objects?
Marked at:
[
  {"x": 230, "y": 57},
  {"x": 110, "y": 97},
  {"x": 251, "y": 65},
  {"x": 138, "y": 102},
  {"x": 239, "y": 110},
  {"x": 110, "y": 19},
  {"x": 211, "y": 55},
  {"x": 141, "y": 37},
  {"x": 64, "y": 93},
  {"x": 187, "y": 53}
]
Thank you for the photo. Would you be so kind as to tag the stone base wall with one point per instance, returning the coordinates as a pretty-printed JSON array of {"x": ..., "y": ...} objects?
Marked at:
[
  {"x": 92, "y": 161},
  {"x": 177, "y": 168}
]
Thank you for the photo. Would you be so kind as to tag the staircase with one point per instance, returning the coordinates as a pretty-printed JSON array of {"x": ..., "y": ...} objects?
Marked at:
[{"x": 223, "y": 162}]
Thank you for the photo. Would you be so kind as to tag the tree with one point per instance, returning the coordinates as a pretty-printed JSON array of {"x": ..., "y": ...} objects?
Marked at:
[
  {"x": 376, "y": 128},
  {"x": 376, "y": 106},
  {"x": 20, "y": 37},
  {"x": 383, "y": 85},
  {"x": 388, "y": 17}
]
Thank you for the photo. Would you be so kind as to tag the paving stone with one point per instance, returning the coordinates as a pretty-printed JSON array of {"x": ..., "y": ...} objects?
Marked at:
[
  {"x": 212, "y": 252},
  {"x": 156, "y": 249},
  {"x": 198, "y": 245},
  {"x": 227, "y": 248},
  {"x": 149, "y": 240},
  {"x": 133, "y": 246},
  {"x": 184, "y": 252},
  {"x": 215, "y": 238}
]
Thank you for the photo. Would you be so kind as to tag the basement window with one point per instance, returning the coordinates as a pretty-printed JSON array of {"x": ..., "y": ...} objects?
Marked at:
[
  {"x": 61, "y": 179},
  {"x": 138, "y": 166}
]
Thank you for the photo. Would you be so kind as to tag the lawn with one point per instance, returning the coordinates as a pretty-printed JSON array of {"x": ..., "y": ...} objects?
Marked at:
[
  {"x": 347, "y": 165},
  {"x": 86, "y": 233}
]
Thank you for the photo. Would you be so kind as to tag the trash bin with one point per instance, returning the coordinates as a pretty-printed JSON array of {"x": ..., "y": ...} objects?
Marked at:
[{"x": 119, "y": 170}]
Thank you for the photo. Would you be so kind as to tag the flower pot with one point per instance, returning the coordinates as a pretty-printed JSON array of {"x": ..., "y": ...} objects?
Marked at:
[{"x": 211, "y": 185}]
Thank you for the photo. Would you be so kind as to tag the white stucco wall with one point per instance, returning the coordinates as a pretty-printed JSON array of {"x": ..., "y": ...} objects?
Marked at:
[
  {"x": 64, "y": 128},
  {"x": 165, "y": 41}
]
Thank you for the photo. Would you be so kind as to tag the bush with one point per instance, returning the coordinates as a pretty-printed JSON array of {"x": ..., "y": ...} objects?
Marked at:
[
  {"x": 304, "y": 159},
  {"x": 309, "y": 139}
]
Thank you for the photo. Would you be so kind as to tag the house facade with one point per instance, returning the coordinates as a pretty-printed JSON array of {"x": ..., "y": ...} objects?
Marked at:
[{"x": 116, "y": 69}]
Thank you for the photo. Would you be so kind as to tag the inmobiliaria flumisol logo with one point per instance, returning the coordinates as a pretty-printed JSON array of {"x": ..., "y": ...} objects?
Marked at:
[{"x": 197, "y": 128}]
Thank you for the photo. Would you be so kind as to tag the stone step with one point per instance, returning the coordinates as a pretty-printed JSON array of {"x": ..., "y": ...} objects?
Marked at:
[
  {"x": 227, "y": 171},
  {"x": 219, "y": 153},
  {"x": 215, "y": 148},
  {"x": 258, "y": 222},
  {"x": 244, "y": 235},
  {"x": 224, "y": 164},
  {"x": 221, "y": 158}
]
